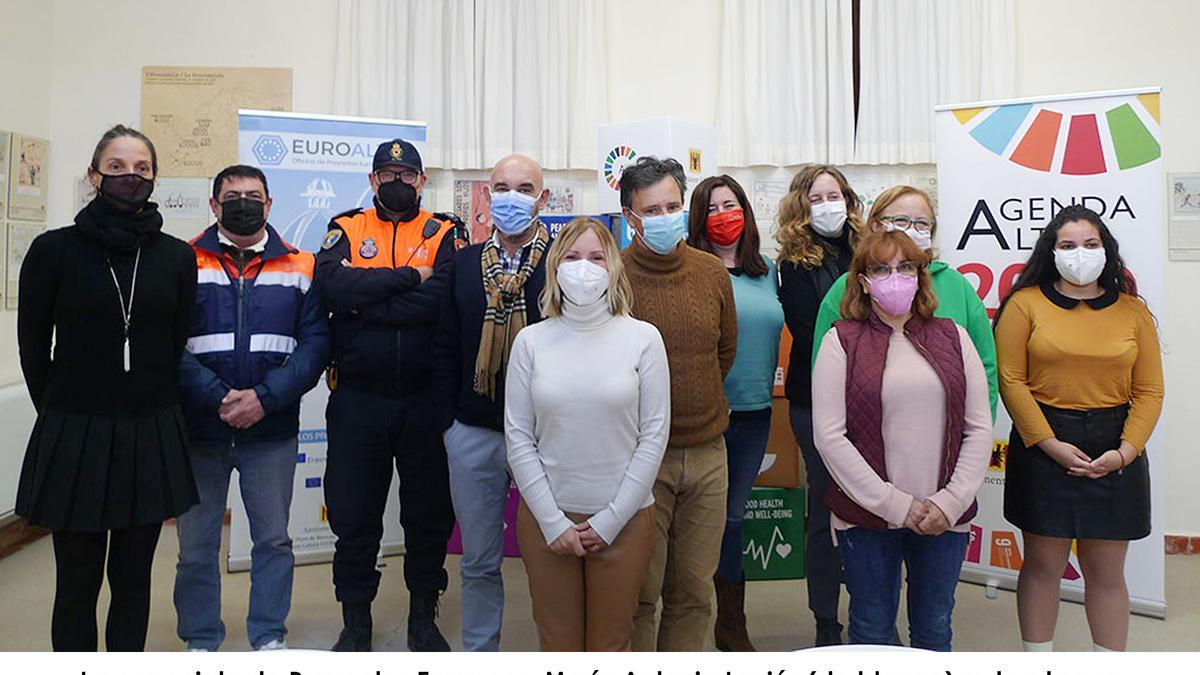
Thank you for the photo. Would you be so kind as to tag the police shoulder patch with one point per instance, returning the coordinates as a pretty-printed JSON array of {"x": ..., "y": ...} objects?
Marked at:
[{"x": 332, "y": 237}]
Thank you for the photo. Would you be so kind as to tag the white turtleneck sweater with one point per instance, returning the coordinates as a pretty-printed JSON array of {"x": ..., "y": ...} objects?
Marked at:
[{"x": 586, "y": 416}]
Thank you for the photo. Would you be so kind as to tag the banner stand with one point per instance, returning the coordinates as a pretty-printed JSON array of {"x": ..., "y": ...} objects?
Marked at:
[{"x": 1005, "y": 168}]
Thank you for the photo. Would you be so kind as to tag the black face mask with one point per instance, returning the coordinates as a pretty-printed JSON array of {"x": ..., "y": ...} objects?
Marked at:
[
  {"x": 127, "y": 192},
  {"x": 242, "y": 217},
  {"x": 399, "y": 198}
]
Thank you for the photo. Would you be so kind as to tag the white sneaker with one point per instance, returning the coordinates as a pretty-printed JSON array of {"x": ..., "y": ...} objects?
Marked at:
[
  {"x": 199, "y": 649},
  {"x": 273, "y": 645}
]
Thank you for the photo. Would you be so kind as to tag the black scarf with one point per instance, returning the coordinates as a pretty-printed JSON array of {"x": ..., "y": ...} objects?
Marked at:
[{"x": 115, "y": 230}]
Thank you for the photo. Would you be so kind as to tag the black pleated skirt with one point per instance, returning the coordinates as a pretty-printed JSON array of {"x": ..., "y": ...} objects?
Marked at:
[
  {"x": 1040, "y": 497},
  {"x": 88, "y": 473}
]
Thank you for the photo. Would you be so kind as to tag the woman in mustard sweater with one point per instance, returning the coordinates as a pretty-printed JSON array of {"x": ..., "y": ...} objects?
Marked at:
[{"x": 1081, "y": 376}]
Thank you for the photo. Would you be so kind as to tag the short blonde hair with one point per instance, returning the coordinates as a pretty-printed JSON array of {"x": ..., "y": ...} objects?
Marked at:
[{"x": 620, "y": 292}]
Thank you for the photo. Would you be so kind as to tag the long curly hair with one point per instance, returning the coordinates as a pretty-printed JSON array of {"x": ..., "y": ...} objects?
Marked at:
[{"x": 798, "y": 244}]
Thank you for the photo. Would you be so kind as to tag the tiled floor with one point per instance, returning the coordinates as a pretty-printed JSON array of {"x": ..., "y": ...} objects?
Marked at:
[{"x": 777, "y": 610}]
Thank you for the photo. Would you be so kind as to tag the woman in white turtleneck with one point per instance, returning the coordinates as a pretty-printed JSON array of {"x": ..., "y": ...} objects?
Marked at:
[{"x": 587, "y": 413}]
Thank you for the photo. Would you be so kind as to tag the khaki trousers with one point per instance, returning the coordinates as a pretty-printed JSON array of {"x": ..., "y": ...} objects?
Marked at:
[
  {"x": 586, "y": 604},
  {"x": 689, "y": 502}
]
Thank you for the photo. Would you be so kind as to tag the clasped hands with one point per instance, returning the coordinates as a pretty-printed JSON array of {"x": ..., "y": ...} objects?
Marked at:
[
  {"x": 241, "y": 408},
  {"x": 925, "y": 517},
  {"x": 1077, "y": 462},
  {"x": 579, "y": 540}
]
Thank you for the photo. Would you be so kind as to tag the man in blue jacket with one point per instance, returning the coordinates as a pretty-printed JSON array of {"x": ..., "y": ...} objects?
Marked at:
[
  {"x": 259, "y": 341},
  {"x": 478, "y": 323}
]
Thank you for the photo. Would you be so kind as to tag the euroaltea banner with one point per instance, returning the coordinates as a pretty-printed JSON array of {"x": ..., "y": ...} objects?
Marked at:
[
  {"x": 1005, "y": 168},
  {"x": 317, "y": 166}
]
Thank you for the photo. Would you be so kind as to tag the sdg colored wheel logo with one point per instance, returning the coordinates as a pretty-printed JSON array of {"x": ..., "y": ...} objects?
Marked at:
[{"x": 618, "y": 158}]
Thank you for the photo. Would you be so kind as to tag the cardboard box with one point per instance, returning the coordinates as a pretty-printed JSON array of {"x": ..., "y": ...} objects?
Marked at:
[
  {"x": 773, "y": 534},
  {"x": 781, "y": 467}
]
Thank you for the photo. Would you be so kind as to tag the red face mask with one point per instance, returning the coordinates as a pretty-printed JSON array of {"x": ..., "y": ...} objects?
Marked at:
[{"x": 725, "y": 228}]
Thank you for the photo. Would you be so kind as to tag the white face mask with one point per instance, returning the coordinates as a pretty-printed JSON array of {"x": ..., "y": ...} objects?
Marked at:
[
  {"x": 582, "y": 281},
  {"x": 829, "y": 218},
  {"x": 1080, "y": 266},
  {"x": 923, "y": 240}
]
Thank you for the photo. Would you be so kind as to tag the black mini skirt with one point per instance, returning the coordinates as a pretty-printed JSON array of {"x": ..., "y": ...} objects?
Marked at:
[
  {"x": 88, "y": 473},
  {"x": 1040, "y": 497}
]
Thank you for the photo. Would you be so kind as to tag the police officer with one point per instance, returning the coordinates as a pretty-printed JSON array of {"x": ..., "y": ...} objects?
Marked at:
[{"x": 381, "y": 273}]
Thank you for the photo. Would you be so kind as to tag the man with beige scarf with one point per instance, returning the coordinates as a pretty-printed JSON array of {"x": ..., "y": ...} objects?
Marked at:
[{"x": 493, "y": 292}]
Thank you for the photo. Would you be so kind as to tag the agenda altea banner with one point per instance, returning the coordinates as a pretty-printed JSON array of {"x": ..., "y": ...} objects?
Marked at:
[{"x": 1005, "y": 168}]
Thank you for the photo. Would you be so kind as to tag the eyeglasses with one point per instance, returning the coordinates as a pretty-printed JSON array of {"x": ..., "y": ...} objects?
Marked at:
[
  {"x": 904, "y": 223},
  {"x": 906, "y": 268},
  {"x": 407, "y": 175}
]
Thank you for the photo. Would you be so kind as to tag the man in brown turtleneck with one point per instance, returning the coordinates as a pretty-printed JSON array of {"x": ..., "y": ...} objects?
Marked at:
[{"x": 687, "y": 295}]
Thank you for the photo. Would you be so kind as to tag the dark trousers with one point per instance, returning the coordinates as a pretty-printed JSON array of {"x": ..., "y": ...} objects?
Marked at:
[
  {"x": 368, "y": 434},
  {"x": 746, "y": 442},
  {"x": 822, "y": 561},
  {"x": 79, "y": 561}
]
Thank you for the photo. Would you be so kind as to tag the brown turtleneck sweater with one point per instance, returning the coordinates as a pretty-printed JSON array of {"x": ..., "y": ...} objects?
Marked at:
[{"x": 687, "y": 295}]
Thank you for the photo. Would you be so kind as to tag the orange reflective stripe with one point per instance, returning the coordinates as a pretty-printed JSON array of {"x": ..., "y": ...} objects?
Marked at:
[{"x": 371, "y": 240}]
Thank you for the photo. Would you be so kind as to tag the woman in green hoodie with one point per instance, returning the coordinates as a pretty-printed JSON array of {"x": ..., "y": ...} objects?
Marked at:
[{"x": 910, "y": 210}]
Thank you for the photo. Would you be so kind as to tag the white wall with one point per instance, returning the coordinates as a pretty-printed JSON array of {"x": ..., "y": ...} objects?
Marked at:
[
  {"x": 663, "y": 60},
  {"x": 1090, "y": 45},
  {"x": 25, "y": 107}
]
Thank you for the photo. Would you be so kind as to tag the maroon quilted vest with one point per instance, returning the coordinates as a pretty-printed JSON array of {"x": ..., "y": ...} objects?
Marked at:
[{"x": 866, "y": 346}]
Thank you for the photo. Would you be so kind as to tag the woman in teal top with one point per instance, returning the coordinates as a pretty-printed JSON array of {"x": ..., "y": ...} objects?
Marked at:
[
  {"x": 721, "y": 222},
  {"x": 910, "y": 210}
]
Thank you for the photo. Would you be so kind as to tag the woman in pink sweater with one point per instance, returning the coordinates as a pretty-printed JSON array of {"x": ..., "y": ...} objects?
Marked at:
[{"x": 901, "y": 418}]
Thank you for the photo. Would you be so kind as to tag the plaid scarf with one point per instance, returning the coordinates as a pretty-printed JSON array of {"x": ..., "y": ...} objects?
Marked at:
[{"x": 505, "y": 314}]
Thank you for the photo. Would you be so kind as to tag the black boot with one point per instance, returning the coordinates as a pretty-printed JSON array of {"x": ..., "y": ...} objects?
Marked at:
[
  {"x": 829, "y": 632},
  {"x": 423, "y": 633},
  {"x": 356, "y": 635}
]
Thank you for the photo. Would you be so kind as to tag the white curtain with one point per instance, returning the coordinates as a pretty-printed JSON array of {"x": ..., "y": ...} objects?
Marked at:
[
  {"x": 786, "y": 84},
  {"x": 490, "y": 77},
  {"x": 916, "y": 54}
]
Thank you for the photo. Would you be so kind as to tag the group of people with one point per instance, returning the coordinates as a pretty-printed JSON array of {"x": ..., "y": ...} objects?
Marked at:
[{"x": 627, "y": 393}]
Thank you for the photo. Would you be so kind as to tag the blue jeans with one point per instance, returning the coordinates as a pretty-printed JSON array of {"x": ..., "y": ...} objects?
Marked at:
[
  {"x": 746, "y": 443},
  {"x": 265, "y": 473},
  {"x": 871, "y": 563},
  {"x": 479, "y": 484}
]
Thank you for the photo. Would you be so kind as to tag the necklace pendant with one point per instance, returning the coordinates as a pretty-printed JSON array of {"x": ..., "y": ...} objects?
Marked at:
[{"x": 126, "y": 350}]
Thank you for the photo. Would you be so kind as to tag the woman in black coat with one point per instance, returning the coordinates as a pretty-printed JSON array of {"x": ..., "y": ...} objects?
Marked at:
[
  {"x": 819, "y": 223},
  {"x": 107, "y": 461}
]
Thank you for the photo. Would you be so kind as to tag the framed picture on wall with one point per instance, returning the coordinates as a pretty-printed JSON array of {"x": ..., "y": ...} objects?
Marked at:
[
  {"x": 27, "y": 178},
  {"x": 5, "y": 142},
  {"x": 18, "y": 237}
]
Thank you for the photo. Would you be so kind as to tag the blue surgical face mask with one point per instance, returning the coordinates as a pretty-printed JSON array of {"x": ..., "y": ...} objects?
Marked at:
[
  {"x": 512, "y": 211},
  {"x": 663, "y": 233}
]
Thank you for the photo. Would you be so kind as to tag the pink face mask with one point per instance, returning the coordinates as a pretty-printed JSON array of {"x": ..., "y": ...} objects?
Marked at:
[{"x": 894, "y": 293}]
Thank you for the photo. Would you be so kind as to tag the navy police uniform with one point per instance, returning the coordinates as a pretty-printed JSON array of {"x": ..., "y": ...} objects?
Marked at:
[{"x": 380, "y": 411}]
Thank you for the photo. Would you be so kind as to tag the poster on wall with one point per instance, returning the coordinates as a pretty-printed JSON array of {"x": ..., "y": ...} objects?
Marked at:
[
  {"x": 27, "y": 168},
  {"x": 316, "y": 167},
  {"x": 17, "y": 238},
  {"x": 183, "y": 203},
  {"x": 5, "y": 142},
  {"x": 192, "y": 113},
  {"x": 1004, "y": 170}
]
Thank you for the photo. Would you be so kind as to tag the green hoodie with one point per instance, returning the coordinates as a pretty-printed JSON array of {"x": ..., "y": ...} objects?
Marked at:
[{"x": 957, "y": 300}]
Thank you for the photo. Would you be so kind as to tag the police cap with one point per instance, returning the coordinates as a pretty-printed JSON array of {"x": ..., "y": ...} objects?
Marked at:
[{"x": 397, "y": 152}]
